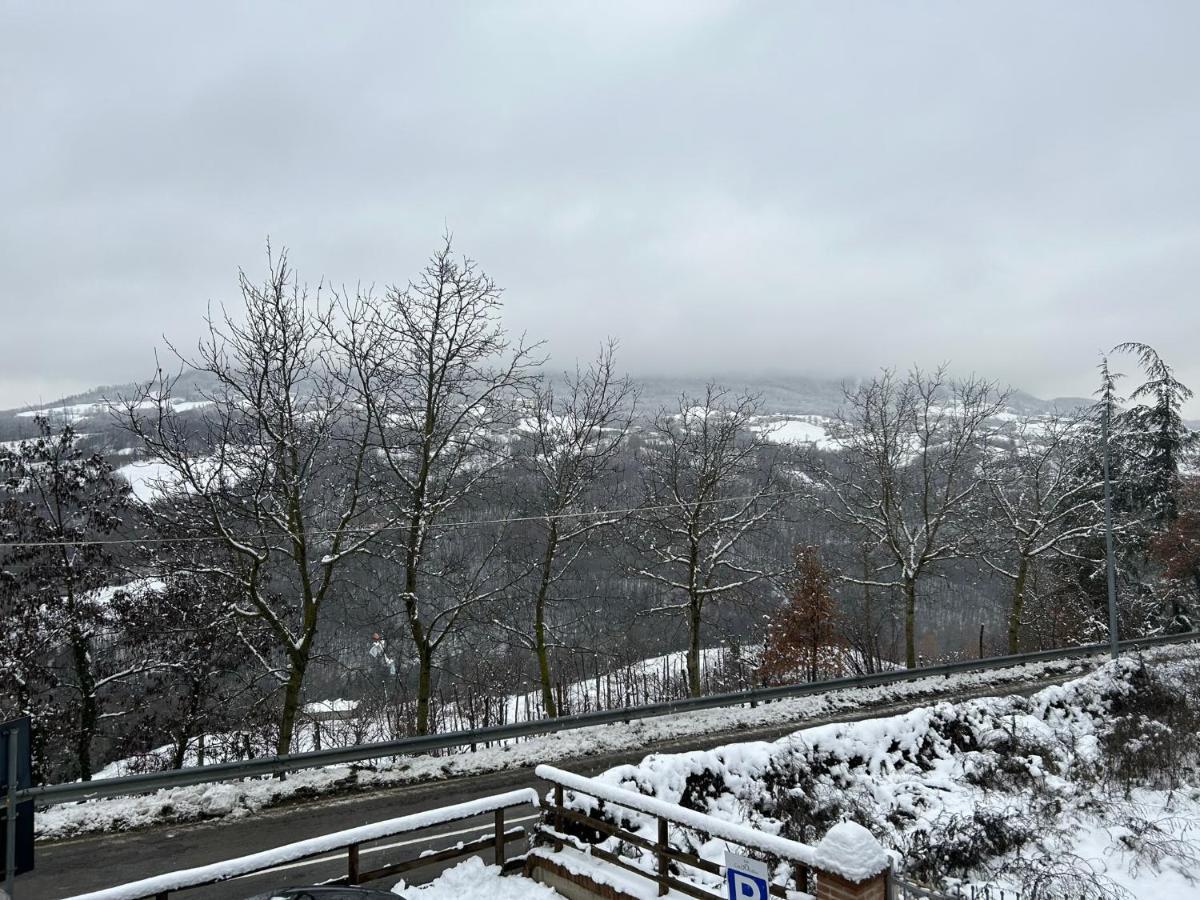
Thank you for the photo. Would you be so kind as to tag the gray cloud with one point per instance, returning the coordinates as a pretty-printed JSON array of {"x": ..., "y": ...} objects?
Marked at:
[{"x": 822, "y": 189}]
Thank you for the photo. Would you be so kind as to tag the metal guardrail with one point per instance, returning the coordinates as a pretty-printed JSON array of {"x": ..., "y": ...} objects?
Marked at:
[{"x": 47, "y": 795}]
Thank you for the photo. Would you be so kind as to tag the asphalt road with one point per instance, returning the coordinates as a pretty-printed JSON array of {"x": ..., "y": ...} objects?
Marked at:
[{"x": 70, "y": 867}]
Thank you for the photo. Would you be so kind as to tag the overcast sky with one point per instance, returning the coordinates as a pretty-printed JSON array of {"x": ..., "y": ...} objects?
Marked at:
[{"x": 821, "y": 189}]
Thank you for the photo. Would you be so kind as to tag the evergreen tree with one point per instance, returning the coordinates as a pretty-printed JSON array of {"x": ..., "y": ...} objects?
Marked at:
[{"x": 1159, "y": 424}]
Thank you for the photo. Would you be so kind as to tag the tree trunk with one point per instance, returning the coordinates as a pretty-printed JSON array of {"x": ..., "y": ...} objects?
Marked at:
[
  {"x": 543, "y": 661},
  {"x": 190, "y": 720},
  {"x": 87, "y": 706},
  {"x": 179, "y": 755},
  {"x": 1017, "y": 608},
  {"x": 424, "y": 685},
  {"x": 910, "y": 623},
  {"x": 539, "y": 623},
  {"x": 870, "y": 645},
  {"x": 291, "y": 706},
  {"x": 693, "y": 653}
]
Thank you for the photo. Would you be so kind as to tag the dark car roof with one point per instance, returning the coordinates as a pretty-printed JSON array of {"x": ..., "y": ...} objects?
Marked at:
[{"x": 327, "y": 892}]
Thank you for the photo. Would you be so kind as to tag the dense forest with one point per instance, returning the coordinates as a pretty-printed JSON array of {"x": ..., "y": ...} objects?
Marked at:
[{"x": 355, "y": 516}]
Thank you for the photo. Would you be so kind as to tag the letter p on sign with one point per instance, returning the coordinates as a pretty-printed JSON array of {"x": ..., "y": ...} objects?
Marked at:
[{"x": 746, "y": 879}]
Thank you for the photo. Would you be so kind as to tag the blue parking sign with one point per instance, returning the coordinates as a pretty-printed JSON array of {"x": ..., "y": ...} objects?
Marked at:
[{"x": 745, "y": 879}]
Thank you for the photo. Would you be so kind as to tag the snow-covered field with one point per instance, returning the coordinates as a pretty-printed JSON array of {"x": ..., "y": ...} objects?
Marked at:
[
  {"x": 150, "y": 480},
  {"x": 243, "y": 798},
  {"x": 799, "y": 430},
  {"x": 1086, "y": 789},
  {"x": 77, "y": 412}
]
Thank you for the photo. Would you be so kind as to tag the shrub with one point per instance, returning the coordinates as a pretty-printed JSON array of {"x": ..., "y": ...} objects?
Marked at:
[
  {"x": 1152, "y": 737},
  {"x": 961, "y": 844}
]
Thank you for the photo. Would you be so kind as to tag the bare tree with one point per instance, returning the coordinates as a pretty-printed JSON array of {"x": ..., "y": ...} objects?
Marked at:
[
  {"x": 575, "y": 436},
  {"x": 1044, "y": 500},
  {"x": 279, "y": 470},
  {"x": 908, "y": 474},
  {"x": 439, "y": 379},
  {"x": 710, "y": 487}
]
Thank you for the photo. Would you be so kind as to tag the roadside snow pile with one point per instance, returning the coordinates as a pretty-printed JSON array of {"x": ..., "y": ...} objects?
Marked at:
[
  {"x": 241, "y": 798},
  {"x": 1086, "y": 789},
  {"x": 472, "y": 880}
]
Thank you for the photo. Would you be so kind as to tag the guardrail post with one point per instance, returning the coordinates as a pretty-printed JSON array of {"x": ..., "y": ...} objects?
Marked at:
[
  {"x": 499, "y": 837},
  {"x": 664, "y": 871},
  {"x": 352, "y": 863},
  {"x": 558, "y": 817}
]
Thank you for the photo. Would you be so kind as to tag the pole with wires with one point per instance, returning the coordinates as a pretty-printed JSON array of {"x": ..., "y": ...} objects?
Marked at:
[{"x": 1110, "y": 562}]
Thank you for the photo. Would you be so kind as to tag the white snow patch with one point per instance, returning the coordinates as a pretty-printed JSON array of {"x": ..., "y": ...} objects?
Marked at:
[
  {"x": 330, "y": 707},
  {"x": 473, "y": 880}
]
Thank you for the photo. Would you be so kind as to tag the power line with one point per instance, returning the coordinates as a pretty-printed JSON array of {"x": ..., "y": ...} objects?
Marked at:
[{"x": 508, "y": 520}]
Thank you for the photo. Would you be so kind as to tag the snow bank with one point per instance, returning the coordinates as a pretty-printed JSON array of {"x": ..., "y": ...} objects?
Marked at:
[
  {"x": 605, "y": 873},
  {"x": 473, "y": 880}
]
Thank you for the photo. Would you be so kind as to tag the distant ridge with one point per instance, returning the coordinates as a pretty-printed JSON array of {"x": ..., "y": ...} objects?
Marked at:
[{"x": 780, "y": 394}]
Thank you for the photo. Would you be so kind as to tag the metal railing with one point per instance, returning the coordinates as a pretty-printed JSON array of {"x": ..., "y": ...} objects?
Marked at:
[
  {"x": 563, "y": 824},
  {"x": 350, "y": 840},
  {"x": 46, "y": 795}
]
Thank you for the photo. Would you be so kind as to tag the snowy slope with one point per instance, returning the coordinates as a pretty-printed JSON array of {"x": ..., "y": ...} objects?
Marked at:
[{"x": 1065, "y": 793}]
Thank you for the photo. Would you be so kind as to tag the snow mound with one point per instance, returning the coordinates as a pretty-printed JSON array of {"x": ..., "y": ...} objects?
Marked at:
[
  {"x": 473, "y": 880},
  {"x": 851, "y": 851}
]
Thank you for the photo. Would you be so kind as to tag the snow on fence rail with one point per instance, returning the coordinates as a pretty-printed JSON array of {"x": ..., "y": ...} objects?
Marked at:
[
  {"x": 161, "y": 885},
  {"x": 848, "y": 854},
  {"x": 681, "y": 815},
  {"x": 47, "y": 795}
]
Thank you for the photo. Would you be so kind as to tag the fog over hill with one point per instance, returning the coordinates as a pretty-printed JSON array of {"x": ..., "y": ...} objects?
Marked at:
[{"x": 779, "y": 394}]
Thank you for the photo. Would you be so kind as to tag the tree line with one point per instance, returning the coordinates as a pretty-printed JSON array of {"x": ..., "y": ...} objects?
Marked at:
[{"x": 386, "y": 498}]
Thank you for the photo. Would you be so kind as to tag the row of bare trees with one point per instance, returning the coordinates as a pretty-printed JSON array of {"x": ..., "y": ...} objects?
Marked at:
[
  {"x": 397, "y": 465},
  {"x": 344, "y": 428}
]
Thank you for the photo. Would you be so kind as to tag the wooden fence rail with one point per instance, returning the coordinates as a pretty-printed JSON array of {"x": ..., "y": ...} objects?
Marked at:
[
  {"x": 801, "y": 857},
  {"x": 351, "y": 841}
]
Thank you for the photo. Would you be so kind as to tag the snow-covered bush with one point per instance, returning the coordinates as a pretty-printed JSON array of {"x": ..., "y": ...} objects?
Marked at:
[{"x": 1154, "y": 733}]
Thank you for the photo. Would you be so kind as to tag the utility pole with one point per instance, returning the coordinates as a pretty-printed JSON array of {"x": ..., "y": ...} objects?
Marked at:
[
  {"x": 1110, "y": 563},
  {"x": 10, "y": 815}
]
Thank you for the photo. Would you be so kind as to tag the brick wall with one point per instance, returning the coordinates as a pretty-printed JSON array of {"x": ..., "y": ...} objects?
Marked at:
[{"x": 834, "y": 887}]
